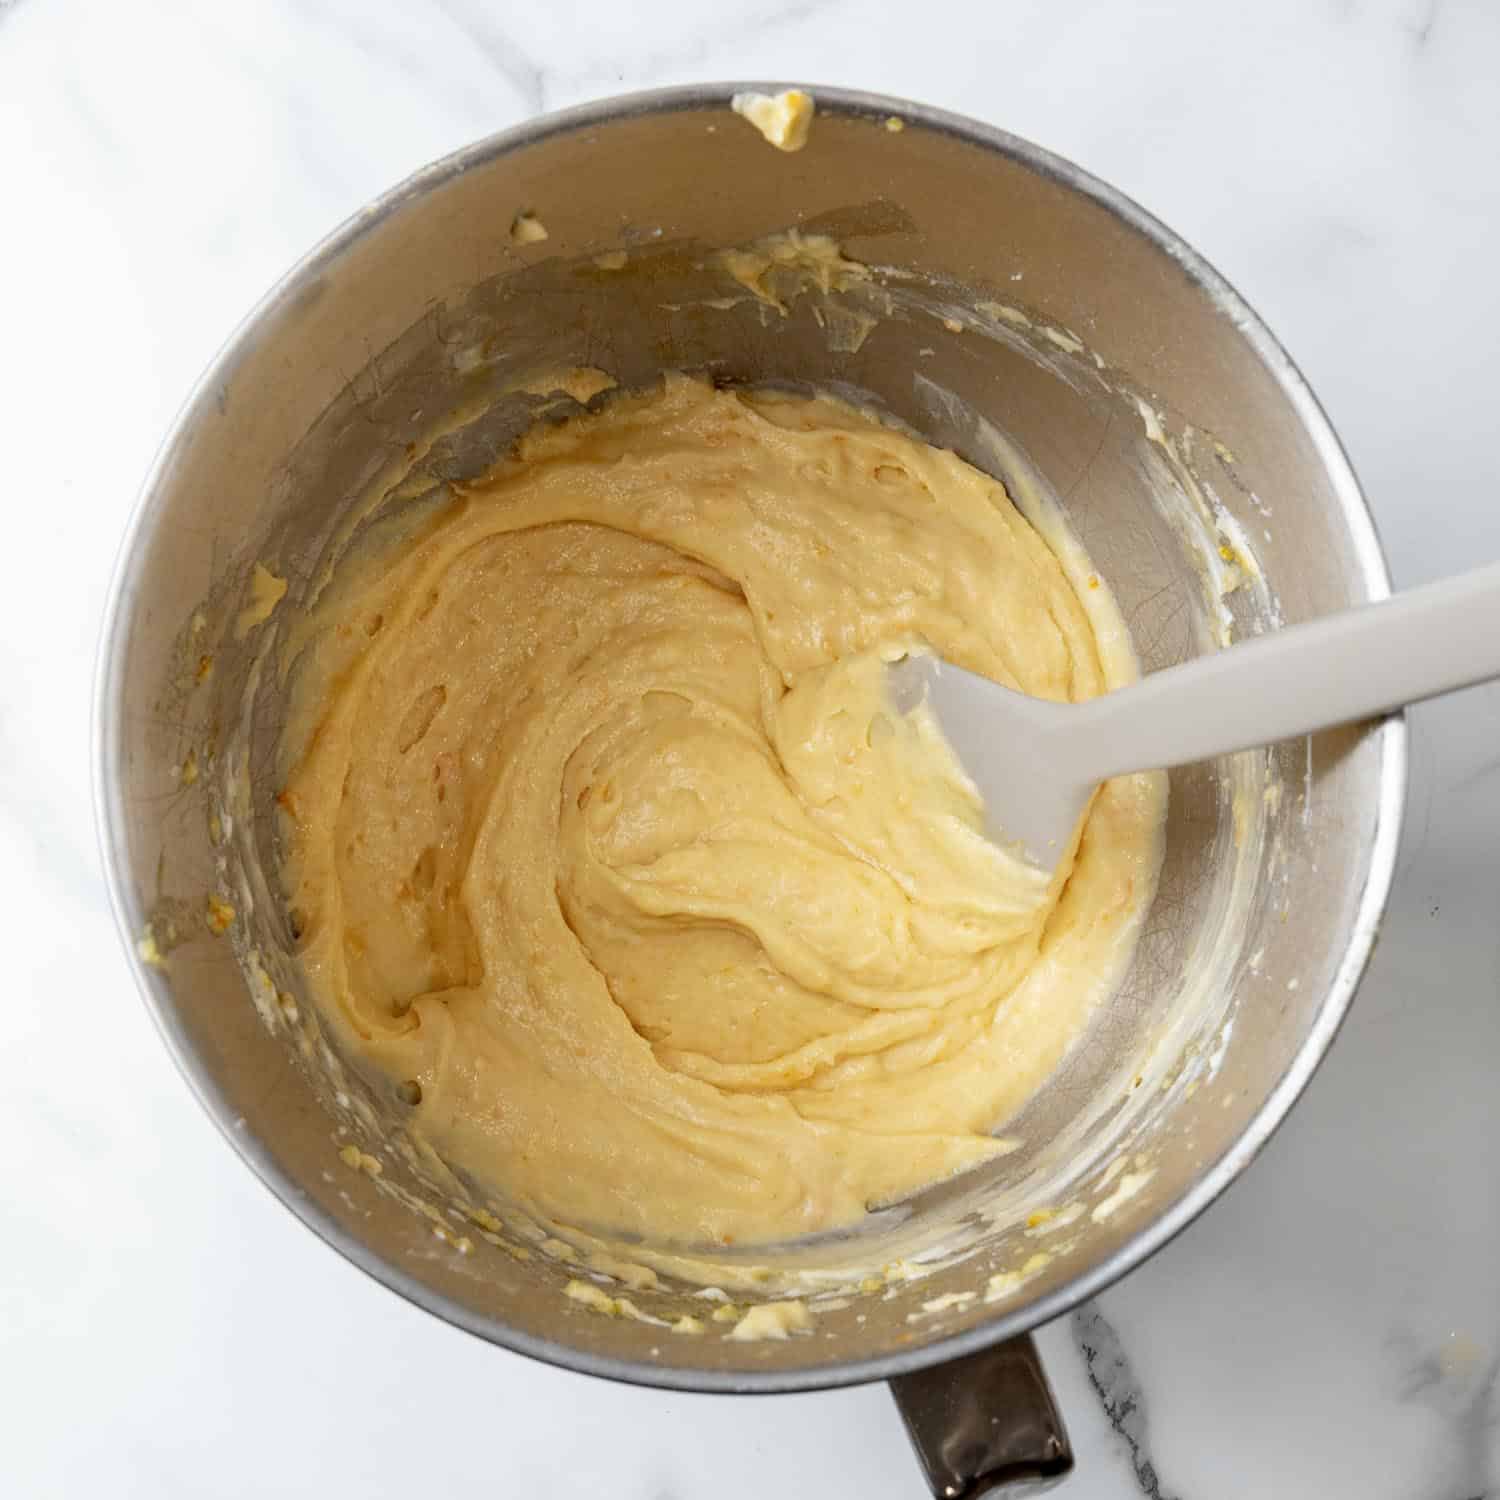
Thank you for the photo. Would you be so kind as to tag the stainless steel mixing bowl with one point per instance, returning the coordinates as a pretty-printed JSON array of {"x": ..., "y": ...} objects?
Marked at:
[{"x": 1016, "y": 309}]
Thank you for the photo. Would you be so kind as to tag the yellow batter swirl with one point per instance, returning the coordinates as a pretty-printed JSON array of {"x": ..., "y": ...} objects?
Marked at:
[{"x": 602, "y": 836}]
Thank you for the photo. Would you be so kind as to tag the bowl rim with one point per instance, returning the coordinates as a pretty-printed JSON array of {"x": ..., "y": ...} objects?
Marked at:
[{"x": 106, "y": 730}]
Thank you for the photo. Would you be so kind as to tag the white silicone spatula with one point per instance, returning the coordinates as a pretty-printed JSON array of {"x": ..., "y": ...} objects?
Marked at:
[{"x": 1037, "y": 763}]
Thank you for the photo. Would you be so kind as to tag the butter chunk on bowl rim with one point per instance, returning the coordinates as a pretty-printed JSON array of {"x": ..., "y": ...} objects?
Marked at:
[{"x": 985, "y": 294}]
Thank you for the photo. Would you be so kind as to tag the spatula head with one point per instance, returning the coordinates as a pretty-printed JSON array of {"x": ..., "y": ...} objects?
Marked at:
[{"x": 1013, "y": 748}]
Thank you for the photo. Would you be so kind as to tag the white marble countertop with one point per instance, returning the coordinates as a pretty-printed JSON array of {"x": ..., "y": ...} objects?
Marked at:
[{"x": 1331, "y": 1330}]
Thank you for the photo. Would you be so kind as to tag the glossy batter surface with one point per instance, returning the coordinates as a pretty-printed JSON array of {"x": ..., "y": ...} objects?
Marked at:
[{"x": 602, "y": 837}]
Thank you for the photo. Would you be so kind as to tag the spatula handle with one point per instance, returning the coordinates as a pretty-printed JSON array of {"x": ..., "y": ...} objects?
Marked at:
[{"x": 1344, "y": 667}]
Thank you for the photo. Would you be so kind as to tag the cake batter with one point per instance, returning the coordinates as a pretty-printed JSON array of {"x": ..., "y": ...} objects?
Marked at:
[{"x": 605, "y": 846}]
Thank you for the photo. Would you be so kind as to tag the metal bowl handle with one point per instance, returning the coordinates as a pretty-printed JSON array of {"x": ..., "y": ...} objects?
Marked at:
[{"x": 986, "y": 1424}]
